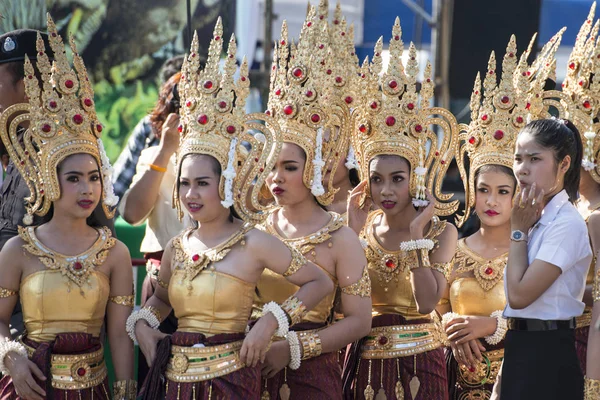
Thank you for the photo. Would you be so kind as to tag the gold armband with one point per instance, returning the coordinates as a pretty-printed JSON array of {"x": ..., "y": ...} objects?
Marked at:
[
  {"x": 361, "y": 288},
  {"x": 154, "y": 311},
  {"x": 425, "y": 258},
  {"x": 125, "y": 390},
  {"x": 298, "y": 261},
  {"x": 596, "y": 286},
  {"x": 161, "y": 283},
  {"x": 591, "y": 389},
  {"x": 295, "y": 309},
  {"x": 311, "y": 344},
  {"x": 443, "y": 301},
  {"x": 126, "y": 301},
  {"x": 443, "y": 268},
  {"x": 7, "y": 292}
]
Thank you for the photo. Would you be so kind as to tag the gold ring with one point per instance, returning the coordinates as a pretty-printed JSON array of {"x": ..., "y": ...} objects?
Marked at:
[{"x": 521, "y": 205}]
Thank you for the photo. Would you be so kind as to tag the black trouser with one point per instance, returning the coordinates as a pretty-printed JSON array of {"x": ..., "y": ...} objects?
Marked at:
[{"x": 541, "y": 365}]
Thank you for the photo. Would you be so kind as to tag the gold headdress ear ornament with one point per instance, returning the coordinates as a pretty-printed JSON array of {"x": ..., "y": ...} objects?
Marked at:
[
  {"x": 582, "y": 84},
  {"x": 214, "y": 122},
  {"x": 505, "y": 108},
  {"x": 302, "y": 99},
  {"x": 62, "y": 122},
  {"x": 393, "y": 118}
]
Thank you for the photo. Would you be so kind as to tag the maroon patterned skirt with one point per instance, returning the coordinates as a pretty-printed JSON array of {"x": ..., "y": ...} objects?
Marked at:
[
  {"x": 318, "y": 378},
  {"x": 428, "y": 369},
  {"x": 581, "y": 340},
  {"x": 241, "y": 384},
  {"x": 64, "y": 343}
]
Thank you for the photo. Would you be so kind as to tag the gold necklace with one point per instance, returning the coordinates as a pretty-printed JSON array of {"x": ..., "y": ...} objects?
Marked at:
[
  {"x": 76, "y": 268},
  {"x": 487, "y": 272},
  {"x": 194, "y": 262}
]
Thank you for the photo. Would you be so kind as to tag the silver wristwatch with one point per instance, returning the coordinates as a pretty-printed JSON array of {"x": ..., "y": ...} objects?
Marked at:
[{"x": 518, "y": 236}]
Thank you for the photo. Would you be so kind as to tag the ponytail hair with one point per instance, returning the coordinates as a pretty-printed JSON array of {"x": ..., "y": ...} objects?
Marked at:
[{"x": 563, "y": 138}]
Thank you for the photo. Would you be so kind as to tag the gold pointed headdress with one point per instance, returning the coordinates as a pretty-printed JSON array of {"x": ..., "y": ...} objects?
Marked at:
[
  {"x": 62, "y": 122},
  {"x": 214, "y": 122},
  {"x": 582, "y": 84},
  {"x": 393, "y": 118},
  {"x": 301, "y": 99},
  {"x": 500, "y": 110}
]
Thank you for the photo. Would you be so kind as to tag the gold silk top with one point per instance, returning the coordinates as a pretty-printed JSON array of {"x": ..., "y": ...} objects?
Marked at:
[
  {"x": 70, "y": 295},
  {"x": 49, "y": 308},
  {"x": 220, "y": 303},
  {"x": 477, "y": 283},
  {"x": 391, "y": 290},
  {"x": 203, "y": 299},
  {"x": 274, "y": 287}
]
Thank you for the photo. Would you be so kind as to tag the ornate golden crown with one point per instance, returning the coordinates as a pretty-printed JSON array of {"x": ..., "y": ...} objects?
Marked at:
[
  {"x": 391, "y": 119},
  {"x": 582, "y": 84},
  {"x": 507, "y": 106},
  {"x": 62, "y": 122},
  {"x": 306, "y": 92},
  {"x": 214, "y": 122}
]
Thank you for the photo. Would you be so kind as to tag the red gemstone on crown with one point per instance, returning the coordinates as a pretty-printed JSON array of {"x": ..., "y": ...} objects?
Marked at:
[
  {"x": 53, "y": 34},
  {"x": 78, "y": 119},
  {"x": 362, "y": 128},
  {"x": 498, "y": 134},
  {"x": 309, "y": 24},
  {"x": 283, "y": 42},
  {"x": 298, "y": 72},
  {"x": 231, "y": 129},
  {"x": 321, "y": 46},
  {"x": 81, "y": 371},
  {"x": 88, "y": 102},
  {"x": 418, "y": 128},
  {"x": 315, "y": 118},
  {"x": 222, "y": 104},
  {"x": 268, "y": 112},
  {"x": 390, "y": 121},
  {"x": 472, "y": 140},
  {"x": 580, "y": 83},
  {"x": 336, "y": 22},
  {"x": 572, "y": 65},
  {"x": 320, "y": 17},
  {"x": 528, "y": 73},
  {"x": 393, "y": 84},
  {"x": 99, "y": 128},
  {"x": 69, "y": 84},
  {"x": 374, "y": 105},
  {"x": 41, "y": 191},
  {"x": 383, "y": 341},
  {"x": 511, "y": 54},
  {"x": 256, "y": 159},
  {"x": 30, "y": 76},
  {"x": 410, "y": 106},
  {"x": 437, "y": 153},
  {"x": 505, "y": 99},
  {"x": 22, "y": 162},
  {"x": 484, "y": 117},
  {"x": 261, "y": 169},
  {"x": 489, "y": 271},
  {"x": 443, "y": 162},
  {"x": 26, "y": 153},
  {"x": 203, "y": 119},
  {"x": 53, "y": 104},
  {"x": 77, "y": 266},
  {"x": 188, "y": 104},
  {"x": 587, "y": 104},
  {"x": 349, "y": 99},
  {"x": 528, "y": 106},
  {"x": 396, "y": 37},
  {"x": 208, "y": 85},
  {"x": 243, "y": 78},
  {"x": 519, "y": 120},
  {"x": 329, "y": 72},
  {"x": 217, "y": 37},
  {"x": 288, "y": 110},
  {"x": 278, "y": 92},
  {"x": 309, "y": 93},
  {"x": 390, "y": 263},
  {"x": 338, "y": 79},
  {"x": 491, "y": 72},
  {"x": 195, "y": 257}
]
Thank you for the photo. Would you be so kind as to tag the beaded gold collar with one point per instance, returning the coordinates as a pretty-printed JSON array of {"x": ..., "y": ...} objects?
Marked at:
[
  {"x": 76, "y": 268},
  {"x": 194, "y": 262},
  {"x": 389, "y": 264},
  {"x": 488, "y": 272}
]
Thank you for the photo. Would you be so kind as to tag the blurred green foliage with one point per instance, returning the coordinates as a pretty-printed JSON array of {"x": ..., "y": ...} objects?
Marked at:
[{"x": 120, "y": 108}]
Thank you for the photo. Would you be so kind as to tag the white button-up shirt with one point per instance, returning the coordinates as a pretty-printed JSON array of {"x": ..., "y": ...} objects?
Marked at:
[{"x": 560, "y": 238}]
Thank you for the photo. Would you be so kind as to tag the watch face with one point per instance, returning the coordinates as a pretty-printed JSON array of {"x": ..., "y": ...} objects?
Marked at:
[{"x": 517, "y": 235}]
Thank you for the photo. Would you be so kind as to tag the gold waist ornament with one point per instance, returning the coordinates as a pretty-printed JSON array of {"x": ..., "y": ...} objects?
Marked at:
[
  {"x": 401, "y": 341},
  {"x": 196, "y": 364},
  {"x": 484, "y": 372},
  {"x": 76, "y": 371}
]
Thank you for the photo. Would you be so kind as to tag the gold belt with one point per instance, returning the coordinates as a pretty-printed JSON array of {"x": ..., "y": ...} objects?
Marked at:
[
  {"x": 401, "y": 341},
  {"x": 196, "y": 364},
  {"x": 485, "y": 372},
  {"x": 584, "y": 319},
  {"x": 76, "y": 371}
]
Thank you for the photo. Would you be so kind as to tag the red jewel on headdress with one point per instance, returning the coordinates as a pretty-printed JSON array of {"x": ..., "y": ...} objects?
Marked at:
[
  {"x": 393, "y": 84},
  {"x": 410, "y": 106},
  {"x": 362, "y": 128},
  {"x": 195, "y": 257},
  {"x": 472, "y": 140},
  {"x": 188, "y": 103},
  {"x": 321, "y": 46},
  {"x": 390, "y": 121},
  {"x": 288, "y": 110},
  {"x": 390, "y": 263},
  {"x": 396, "y": 37},
  {"x": 498, "y": 134},
  {"x": 88, "y": 102},
  {"x": 374, "y": 105},
  {"x": 297, "y": 72},
  {"x": 203, "y": 119},
  {"x": 208, "y": 85},
  {"x": 315, "y": 118},
  {"x": 519, "y": 120},
  {"x": 484, "y": 117},
  {"x": 587, "y": 104},
  {"x": 329, "y": 72},
  {"x": 489, "y": 271},
  {"x": 78, "y": 119},
  {"x": 572, "y": 65},
  {"x": 53, "y": 104},
  {"x": 230, "y": 129},
  {"x": 69, "y": 84},
  {"x": 504, "y": 99},
  {"x": 418, "y": 128},
  {"x": 338, "y": 79},
  {"x": 278, "y": 92},
  {"x": 180, "y": 128},
  {"x": 348, "y": 99},
  {"x": 77, "y": 266},
  {"x": 309, "y": 93},
  {"x": 222, "y": 104},
  {"x": 46, "y": 128},
  {"x": 99, "y": 128}
]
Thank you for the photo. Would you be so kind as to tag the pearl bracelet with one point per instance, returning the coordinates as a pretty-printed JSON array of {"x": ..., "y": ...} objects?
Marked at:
[
  {"x": 295, "y": 354},
  {"x": 7, "y": 346},
  {"x": 418, "y": 244},
  {"x": 145, "y": 314},
  {"x": 280, "y": 316},
  {"x": 449, "y": 316},
  {"x": 501, "y": 329}
]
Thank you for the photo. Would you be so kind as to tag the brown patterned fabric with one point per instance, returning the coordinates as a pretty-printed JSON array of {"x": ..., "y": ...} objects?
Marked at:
[
  {"x": 65, "y": 343},
  {"x": 581, "y": 339}
]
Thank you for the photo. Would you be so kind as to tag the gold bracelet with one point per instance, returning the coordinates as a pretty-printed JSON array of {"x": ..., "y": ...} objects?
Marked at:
[
  {"x": 591, "y": 389},
  {"x": 294, "y": 308},
  {"x": 425, "y": 258},
  {"x": 154, "y": 311},
  {"x": 126, "y": 301},
  {"x": 156, "y": 168},
  {"x": 311, "y": 344},
  {"x": 125, "y": 390},
  {"x": 7, "y": 292}
]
